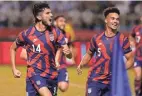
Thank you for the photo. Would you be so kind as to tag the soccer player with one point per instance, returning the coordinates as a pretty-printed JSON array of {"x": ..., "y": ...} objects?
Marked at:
[
  {"x": 99, "y": 78},
  {"x": 40, "y": 42},
  {"x": 136, "y": 41},
  {"x": 63, "y": 79}
]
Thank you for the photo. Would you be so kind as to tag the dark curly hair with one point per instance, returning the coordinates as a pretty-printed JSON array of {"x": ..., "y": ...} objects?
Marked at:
[
  {"x": 57, "y": 17},
  {"x": 39, "y": 7},
  {"x": 111, "y": 10}
]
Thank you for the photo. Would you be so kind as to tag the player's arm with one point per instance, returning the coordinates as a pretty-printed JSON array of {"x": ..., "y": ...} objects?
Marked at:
[
  {"x": 58, "y": 57},
  {"x": 130, "y": 60},
  {"x": 128, "y": 53},
  {"x": 18, "y": 42},
  {"x": 72, "y": 49},
  {"x": 132, "y": 36},
  {"x": 87, "y": 57},
  {"x": 61, "y": 41},
  {"x": 67, "y": 51},
  {"x": 23, "y": 54},
  {"x": 13, "y": 49}
]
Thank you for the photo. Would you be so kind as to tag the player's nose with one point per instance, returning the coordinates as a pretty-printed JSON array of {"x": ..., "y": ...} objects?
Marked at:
[{"x": 51, "y": 15}]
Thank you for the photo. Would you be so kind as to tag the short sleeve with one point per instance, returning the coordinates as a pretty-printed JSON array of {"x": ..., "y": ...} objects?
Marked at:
[
  {"x": 60, "y": 38},
  {"x": 126, "y": 46},
  {"x": 92, "y": 46},
  {"x": 20, "y": 40}
]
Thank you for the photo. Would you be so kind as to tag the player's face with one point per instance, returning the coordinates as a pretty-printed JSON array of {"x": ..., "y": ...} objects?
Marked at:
[
  {"x": 61, "y": 22},
  {"x": 46, "y": 17},
  {"x": 112, "y": 21}
]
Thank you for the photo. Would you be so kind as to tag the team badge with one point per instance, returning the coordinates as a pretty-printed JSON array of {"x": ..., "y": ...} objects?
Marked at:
[
  {"x": 38, "y": 82},
  {"x": 89, "y": 90}
]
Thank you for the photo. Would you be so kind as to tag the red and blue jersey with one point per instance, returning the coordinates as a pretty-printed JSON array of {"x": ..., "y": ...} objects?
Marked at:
[
  {"x": 63, "y": 58},
  {"x": 100, "y": 44},
  {"x": 137, "y": 34},
  {"x": 41, "y": 50}
]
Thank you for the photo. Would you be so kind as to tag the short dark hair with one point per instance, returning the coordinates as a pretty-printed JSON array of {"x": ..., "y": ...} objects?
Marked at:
[
  {"x": 57, "y": 17},
  {"x": 39, "y": 7},
  {"x": 111, "y": 10}
]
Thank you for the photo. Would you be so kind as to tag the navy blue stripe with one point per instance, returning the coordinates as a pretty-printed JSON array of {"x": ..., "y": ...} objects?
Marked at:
[{"x": 43, "y": 63}]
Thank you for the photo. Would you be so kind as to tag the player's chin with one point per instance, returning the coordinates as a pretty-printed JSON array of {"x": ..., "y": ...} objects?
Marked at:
[
  {"x": 49, "y": 23},
  {"x": 114, "y": 27},
  {"x": 62, "y": 28}
]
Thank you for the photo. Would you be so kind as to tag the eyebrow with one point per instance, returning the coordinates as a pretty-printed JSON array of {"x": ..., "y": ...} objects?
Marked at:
[{"x": 114, "y": 17}]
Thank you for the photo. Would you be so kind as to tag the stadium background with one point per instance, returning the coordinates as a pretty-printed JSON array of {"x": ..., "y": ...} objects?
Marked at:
[{"x": 84, "y": 19}]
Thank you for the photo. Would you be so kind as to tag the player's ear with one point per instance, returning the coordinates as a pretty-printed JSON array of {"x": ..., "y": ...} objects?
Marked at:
[
  {"x": 38, "y": 17},
  {"x": 105, "y": 20}
]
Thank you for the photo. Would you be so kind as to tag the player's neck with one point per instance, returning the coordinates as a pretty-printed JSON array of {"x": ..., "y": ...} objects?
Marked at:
[
  {"x": 40, "y": 27},
  {"x": 109, "y": 32}
]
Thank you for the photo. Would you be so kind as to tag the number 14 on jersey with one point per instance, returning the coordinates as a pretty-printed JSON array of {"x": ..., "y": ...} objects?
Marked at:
[{"x": 36, "y": 48}]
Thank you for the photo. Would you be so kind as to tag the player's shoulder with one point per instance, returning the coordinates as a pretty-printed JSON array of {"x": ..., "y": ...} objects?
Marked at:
[
  {"x": 122, "y": 36},
  {"x": 55, "y": 29},
  {"x": 98, "y": 35},
  {"x": 28, "y": 30}
]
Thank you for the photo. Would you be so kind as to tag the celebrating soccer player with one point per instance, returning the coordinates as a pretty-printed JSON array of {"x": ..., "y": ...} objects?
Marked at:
[
  {"x": 99, "y": 78},
  {"x": 40, "y": 42}
]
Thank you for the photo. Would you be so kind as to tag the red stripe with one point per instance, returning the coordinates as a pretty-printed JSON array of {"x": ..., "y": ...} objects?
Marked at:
[
  {"x": 34, "y": 60},
  {"x": 47, "y": 62},
  {"x": 127, "y": 45},
  {"x": 21, "y": 37},
  {"x": 97, "y": 38},
  {"x": 39, "y": 65},
  {"x": 34, "y": 83},
  {"x": 30, "y": 71},
  {"x": 106, "y": 70},
  {"x": 95, "y": 65},
  {"x": 101, "y": 78},
  {"x": 137, "y": 28},
  {"x": 98, "y": 70},
  {"x": 121, "y": 38},
  {"x": 106, "y": 82},
  {"x": 54, "y": 75},
  {"x": 32, "y": 31},
  {"x": 43, "y": 74}
]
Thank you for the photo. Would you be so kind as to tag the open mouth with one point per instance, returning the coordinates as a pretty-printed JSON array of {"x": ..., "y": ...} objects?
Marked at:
[{"x": 50, "y": 19}]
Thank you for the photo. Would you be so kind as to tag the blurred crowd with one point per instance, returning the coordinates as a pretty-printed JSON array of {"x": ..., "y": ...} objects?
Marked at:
[{"x": 81, "y": 14}]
